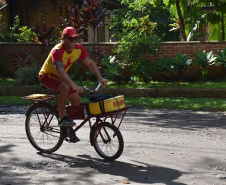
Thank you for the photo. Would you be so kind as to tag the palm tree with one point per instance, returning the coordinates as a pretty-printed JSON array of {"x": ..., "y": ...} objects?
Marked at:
[
  {"x": 181, "y": 21},
  {"x": 181, "y": 6}
]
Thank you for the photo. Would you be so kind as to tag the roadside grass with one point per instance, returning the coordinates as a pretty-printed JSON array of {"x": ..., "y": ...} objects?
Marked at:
[
  {"x": 8, "y": 82},
  {"x": 205, "y": 104},
  {"x": 217, "y": 84},
  {"x": 191, "y": 85}
]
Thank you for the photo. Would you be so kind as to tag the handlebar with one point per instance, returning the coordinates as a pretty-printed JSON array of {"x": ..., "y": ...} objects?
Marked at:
[{"x": 94, "y": 90}]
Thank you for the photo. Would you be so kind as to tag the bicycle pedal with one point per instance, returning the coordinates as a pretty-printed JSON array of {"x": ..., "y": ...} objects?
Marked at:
[
  {"x": 75, "y": 140},
  {"x": 69, "y": 135},
  {"x": 67, "y": 131}
]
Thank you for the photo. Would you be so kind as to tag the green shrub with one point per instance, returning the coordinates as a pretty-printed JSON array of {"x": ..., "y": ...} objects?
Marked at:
[
  {"x": 221, "y": 60},
  {"x": 164, "y": 65},
  {"x": 143, "y": 70},
  {"x": 203, "y": 60},
  {"x": 134, "y": 50},
  {"x": 28, "y": 75},
  {"x": 113, "y": 69},
  {"x": 182, "y": 63}
]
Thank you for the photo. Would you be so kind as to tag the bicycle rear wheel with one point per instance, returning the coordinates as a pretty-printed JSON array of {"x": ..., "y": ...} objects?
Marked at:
[
  {"x": 108, "y": 141},
  {"x": 42, "y": 128}
]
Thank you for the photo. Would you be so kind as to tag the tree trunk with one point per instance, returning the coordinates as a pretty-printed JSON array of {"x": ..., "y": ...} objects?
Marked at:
[
  {"x": 181, "y": 21},
  {"x": 223, "y": 28}
]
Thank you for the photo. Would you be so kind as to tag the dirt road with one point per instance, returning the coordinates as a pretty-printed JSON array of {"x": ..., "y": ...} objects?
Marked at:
[{"x": 162, "y": 146}]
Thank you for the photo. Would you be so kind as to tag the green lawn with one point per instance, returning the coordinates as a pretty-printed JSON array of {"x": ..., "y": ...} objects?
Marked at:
[
  {"x": 152, "y": 84},
  {"x": 149, "y": 103},
  {"x": 8, "y": 82}
]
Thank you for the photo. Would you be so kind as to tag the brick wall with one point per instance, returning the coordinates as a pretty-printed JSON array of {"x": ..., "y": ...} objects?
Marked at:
[
  {"x": 171, "y": 48},
  {"x": 168, "y": 49}
]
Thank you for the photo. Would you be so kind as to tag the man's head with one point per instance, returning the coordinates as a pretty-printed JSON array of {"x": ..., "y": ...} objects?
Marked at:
[
  {"x": 70, "y": 32},
  {"x": 70, "y": 37}
]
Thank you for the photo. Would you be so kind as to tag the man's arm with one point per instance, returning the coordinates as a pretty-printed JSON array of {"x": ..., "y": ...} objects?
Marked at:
[
  {"x": 93, "y": 67},
  {"x": 59, "y": 66}
]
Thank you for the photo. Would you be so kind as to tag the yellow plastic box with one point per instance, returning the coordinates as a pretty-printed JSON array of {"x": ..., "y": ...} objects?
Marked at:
[{"x": 108, "y": 105}]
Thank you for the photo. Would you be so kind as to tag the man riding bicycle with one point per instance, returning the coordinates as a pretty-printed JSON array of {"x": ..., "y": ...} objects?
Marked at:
[{"x": 53, "y": 73}]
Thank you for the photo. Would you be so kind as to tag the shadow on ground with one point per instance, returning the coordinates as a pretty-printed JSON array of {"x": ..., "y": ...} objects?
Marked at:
[
  {"x": 142, "y": 173},
  {"x": 85, "y": 169},
  {"x": 167, "y": 118},
  {"x": 186, "y": 119}
]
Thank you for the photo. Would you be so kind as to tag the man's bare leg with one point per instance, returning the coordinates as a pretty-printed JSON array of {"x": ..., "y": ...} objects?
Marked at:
[
  {"x": 74, "y": 99},
  {"x": 62, "y": 98}
]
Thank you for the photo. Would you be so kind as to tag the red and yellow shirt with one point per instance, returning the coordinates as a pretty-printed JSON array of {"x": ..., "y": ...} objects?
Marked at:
[{"x": 58, "y": 53}]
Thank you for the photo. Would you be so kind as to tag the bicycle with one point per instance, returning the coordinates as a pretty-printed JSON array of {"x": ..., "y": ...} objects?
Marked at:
[{"x": 42, "y": 129}]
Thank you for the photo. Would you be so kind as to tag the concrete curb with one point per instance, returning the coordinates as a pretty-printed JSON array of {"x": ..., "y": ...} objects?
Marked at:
[{"x": 127, "y": 92}]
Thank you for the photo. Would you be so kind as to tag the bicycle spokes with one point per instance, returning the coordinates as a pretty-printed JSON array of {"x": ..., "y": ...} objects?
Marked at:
[{"x": 108, "y": 141}]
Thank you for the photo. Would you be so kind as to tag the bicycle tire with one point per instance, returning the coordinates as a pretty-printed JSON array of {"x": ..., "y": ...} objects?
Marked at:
[
  {"x": 111, "y": 148},
  {"x": 48, "y": 138}
]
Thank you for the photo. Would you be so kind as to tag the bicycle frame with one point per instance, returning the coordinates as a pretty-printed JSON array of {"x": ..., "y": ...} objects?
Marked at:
[{"x": 48, "y": 102}]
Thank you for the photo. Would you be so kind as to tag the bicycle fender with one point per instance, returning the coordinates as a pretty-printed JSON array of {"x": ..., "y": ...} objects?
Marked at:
[
  {"x": 92, "y": 134},
  {"x": 31, "y": 107}
]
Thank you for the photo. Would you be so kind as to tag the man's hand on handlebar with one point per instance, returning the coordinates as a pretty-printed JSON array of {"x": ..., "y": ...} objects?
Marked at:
[
  {"x": 79, "y": 89},
  {"x": 103, "y": 81}
]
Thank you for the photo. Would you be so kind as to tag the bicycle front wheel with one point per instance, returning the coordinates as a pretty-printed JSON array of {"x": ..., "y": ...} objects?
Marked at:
[
  {"x": 108, "y": 141},
  {"x": 42, "y": 128}
]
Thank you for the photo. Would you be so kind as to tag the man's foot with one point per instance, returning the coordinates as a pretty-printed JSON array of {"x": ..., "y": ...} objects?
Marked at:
[
  {"x": 74, "y": 139},
  {"x": 65, "y": 122},
  {"x": 69, "y": 134}
]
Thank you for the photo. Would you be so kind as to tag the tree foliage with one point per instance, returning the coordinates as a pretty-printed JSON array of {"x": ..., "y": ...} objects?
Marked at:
[
  {"x": 199, "y": 13},
  {"x": 17, "y": 33},
  {"x": 138, "y": 38},
  {"x": 142, "y": 15},
  {"x": 73, "y": 20},
  {"x": 216, "y": 17}
]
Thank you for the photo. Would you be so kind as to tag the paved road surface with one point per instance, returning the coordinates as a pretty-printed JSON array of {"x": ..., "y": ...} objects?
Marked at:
[{"x": 162, "y": 146}]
